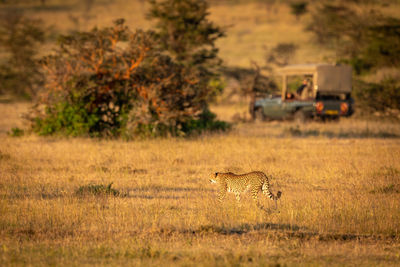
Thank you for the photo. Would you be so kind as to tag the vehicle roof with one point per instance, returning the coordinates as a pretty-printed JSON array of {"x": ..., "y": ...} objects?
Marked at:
[
  {"x": 327, "y": 77},
  {"x": 303, "y": 69}
]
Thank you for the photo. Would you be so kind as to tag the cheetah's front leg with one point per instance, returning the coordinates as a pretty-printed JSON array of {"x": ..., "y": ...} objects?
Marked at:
[{"x": 221, "y": 195}]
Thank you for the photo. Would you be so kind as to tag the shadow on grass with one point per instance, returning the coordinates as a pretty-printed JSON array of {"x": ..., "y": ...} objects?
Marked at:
[
  {"x": 130, "y": 170},
  {"x": 158, "y": 188},
  {"x": 155, "y": 197},
  {"x": 101, "y": 190},
  {"x": 125, "y": 169},
  {"x": 297, "y": 132},
  {"x": 247, "y": 228},
  {"x": 287, "y": 232},
  {"x": 33, "y": 195},
  {"x": 155, "y": 192},
  {"x": 388, "y": 189}
]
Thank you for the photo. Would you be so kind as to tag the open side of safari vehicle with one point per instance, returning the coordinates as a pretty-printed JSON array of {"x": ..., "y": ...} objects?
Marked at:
[{"x": 326, "y": 93}]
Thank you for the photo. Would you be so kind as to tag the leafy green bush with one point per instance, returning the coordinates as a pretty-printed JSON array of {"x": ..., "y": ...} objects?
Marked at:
[
  {"x": 115, "y": 82},
  {"x": 361, "y": 36},
  {"x": 90, "y": 82},
  {"x": 66, "y": 118},
  {"x": 16, "y": 132},
  {"x": 184, "y": 32},
  {"x": 206, "y": 122},
  {"x": 377, "y": 96}
]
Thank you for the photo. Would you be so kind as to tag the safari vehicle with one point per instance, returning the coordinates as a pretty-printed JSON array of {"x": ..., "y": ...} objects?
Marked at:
[{"x": 326, "y": 94}]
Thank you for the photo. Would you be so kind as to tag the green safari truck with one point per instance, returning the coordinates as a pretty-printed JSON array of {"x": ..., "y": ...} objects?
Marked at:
[{"x": 325, "y": 93}]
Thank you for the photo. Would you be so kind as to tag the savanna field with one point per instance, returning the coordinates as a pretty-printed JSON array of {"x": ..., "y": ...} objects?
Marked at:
[
  {"x": 340, "y": 202},
  {"x": 148, "y": 202}
]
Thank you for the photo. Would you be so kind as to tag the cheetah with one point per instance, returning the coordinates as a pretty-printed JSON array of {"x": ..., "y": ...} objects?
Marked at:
[{"x": 254, "y": 181}]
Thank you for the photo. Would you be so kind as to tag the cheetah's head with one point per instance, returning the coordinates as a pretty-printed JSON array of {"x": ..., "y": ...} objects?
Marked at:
[{"x": 214, "y": 178}]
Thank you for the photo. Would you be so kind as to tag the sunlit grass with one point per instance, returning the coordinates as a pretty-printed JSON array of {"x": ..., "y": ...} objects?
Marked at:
[
  {"x": 250, "y": 27},
  {"x": 340, "y": 197},
  {"x": 340, "y": 180}
]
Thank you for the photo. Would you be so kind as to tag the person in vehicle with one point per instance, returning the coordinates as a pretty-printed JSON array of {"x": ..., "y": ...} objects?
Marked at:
[
  {"x": 300, "y": 90},
  {"x": 303, "y": 90},
  {"x": 289, "y": 96}
]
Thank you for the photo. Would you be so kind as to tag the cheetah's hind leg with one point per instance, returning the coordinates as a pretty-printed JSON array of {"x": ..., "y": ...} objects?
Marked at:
[{"x": 278, "y": 196}]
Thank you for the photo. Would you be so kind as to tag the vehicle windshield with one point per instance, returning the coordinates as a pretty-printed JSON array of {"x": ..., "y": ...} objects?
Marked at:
[{"x": 299, "y": 87}]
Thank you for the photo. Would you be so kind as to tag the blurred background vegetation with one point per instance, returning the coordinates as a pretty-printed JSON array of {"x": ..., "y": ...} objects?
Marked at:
[{"x": 214, "y": 50}]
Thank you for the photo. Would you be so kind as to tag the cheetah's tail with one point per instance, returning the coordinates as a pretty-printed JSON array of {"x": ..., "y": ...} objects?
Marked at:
[{"x": 266, "y": 191}]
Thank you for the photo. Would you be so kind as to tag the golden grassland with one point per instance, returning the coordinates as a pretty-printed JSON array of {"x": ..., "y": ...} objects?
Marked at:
[
  {"x": 340, "y": 202},
  {"x": 251, "y": 26},
  {"x": 340, "y": 181}
]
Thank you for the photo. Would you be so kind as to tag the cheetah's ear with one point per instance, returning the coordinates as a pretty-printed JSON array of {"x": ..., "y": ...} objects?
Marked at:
[{"x": 216, "y": 174}]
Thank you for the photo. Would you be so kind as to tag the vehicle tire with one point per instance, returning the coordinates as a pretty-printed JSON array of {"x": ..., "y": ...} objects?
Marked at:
[
  {"x": 300, "y": 117},
  {"x": 259, "y": 115},
  {"x": 336, "y": 119},
  {"x": 332, "y": 119}
]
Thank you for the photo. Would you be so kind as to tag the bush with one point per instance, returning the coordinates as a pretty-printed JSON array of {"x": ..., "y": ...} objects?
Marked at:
[
  {"x": 115, "y": 82},
  {"x": 67, "y": 118},
  {"x": 90, "y": 82},
  {"x": 184, "y": 32},
  {"x": 379, "y": 97},
  {"x": 298, "y": 9},
  {"x": 281, "y": 54},
  {"x": 19, "y": 38},
  {"x": 206, "y": 122},
  {"x": 361, "y": 36},
  {"x": 16, "y": 132}
]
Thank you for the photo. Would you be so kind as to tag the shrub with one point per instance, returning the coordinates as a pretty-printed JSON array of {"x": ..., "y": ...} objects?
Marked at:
[
  {"x": 361, "y": 36},
  {"x": 185, "y": 33},
  {"x": 378, "y": 96},
  {"x": 19, "y": 38},
  {"x": 67, "y": 118},
  {"x": 206, "y": 122},
  {"x": 113, "y": 82},
  {"x": 16, "y": 132},
  {"x": 281, "y": 54},
  {"x": 90, "y": 83},
  {"x": 298, "y": 9}
]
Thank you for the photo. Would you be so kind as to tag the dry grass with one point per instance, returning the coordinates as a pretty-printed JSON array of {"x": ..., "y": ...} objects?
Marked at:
[
  {"x": 250, "y": 26},
  {"x": 340, "y": 202},
  {"x": 340, "y": 181}
]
